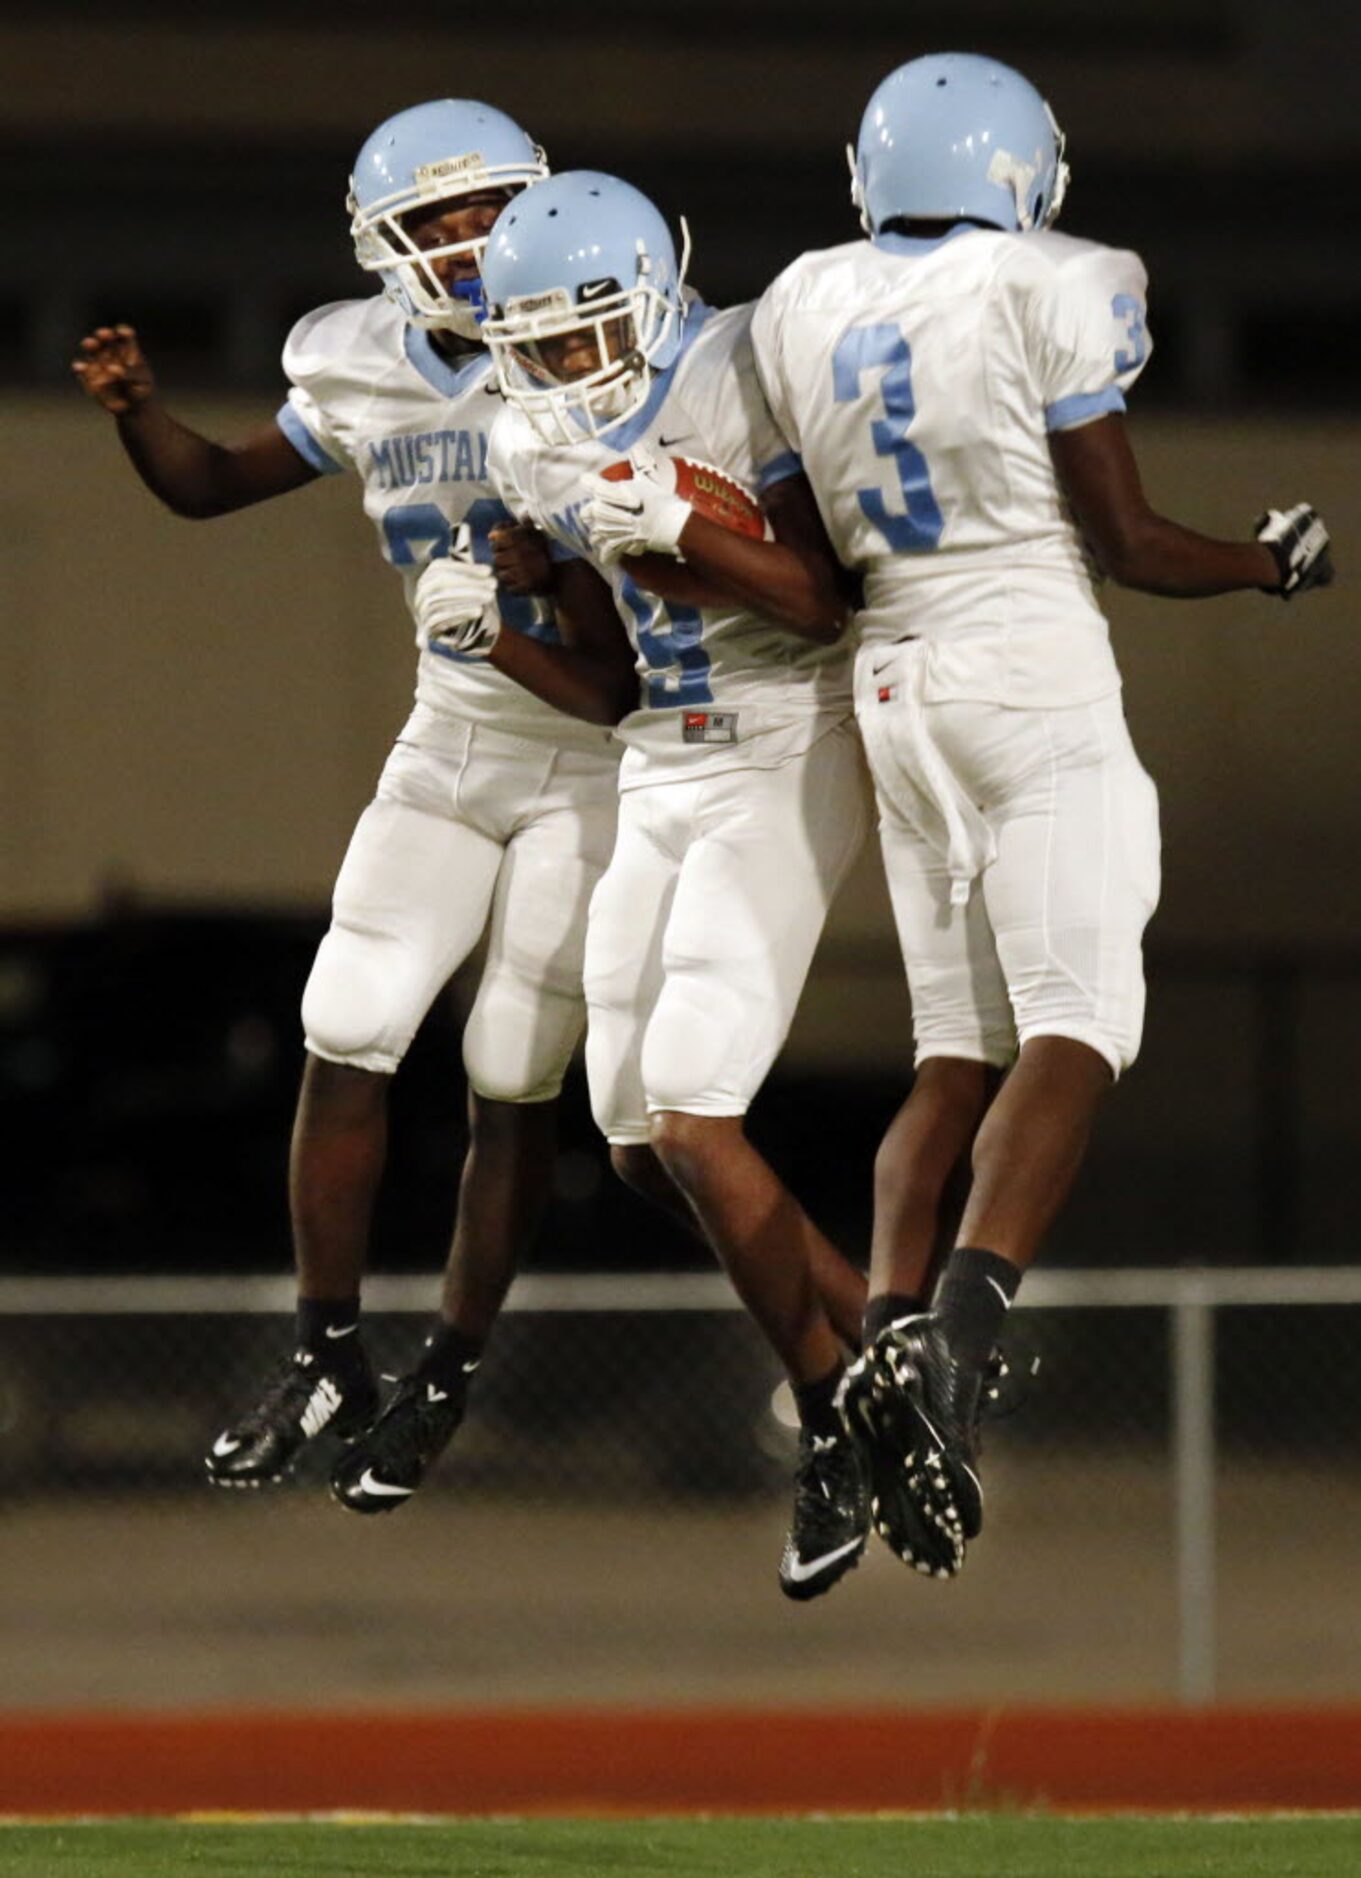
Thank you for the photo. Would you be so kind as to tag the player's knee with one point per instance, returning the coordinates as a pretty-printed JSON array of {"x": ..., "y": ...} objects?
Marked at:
[
  {"x": 636, "y": 1165},
  {"x": 351, "y": 1006},
  {"x": 1095, "y": 1050},
  {"x": 519, "y": 1038},
  {"x": 1109, "y": 1022},
  {"x": 706, "y": 1046},
  {"x": 687, "y": 1145}
]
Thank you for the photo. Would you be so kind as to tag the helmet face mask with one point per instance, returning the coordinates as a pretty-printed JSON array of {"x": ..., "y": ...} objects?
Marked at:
[
  {"x": 434, "y": 157},
  {"x": 586, "y": 303},
  {"x": 568, "y": 374},
  {"x": 954, "y": 137}
]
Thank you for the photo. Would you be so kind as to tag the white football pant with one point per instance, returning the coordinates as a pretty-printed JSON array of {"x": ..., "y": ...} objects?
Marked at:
[
  {"x": 1022, "y": 853},
  {"x": 704, "y": 926},
  {"x": 467, "y": 823}
]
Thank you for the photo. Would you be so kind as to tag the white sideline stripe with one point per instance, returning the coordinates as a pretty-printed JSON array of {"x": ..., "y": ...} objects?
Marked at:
[{"x": 587, "y": 1292}]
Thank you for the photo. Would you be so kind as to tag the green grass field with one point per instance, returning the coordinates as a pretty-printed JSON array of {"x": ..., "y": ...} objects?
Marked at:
[{"x": 978, "y": 1846}]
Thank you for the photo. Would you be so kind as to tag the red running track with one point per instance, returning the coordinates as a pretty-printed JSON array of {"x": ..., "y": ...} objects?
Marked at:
[{"x": 615, "y": 1761}]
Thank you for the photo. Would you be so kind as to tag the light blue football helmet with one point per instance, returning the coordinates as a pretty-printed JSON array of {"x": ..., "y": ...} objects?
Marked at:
[
  {"x": 582, "y": 254},
  {"x": 433, "y": 153},
  {"x": 953, "y": 135}
]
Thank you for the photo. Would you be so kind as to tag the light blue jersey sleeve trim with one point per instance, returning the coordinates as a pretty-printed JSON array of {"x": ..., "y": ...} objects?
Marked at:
[
  {"x": 1082, "y": 407},
  {"x": 779, "y": 470},
  {"x": 305, "y": 443}
]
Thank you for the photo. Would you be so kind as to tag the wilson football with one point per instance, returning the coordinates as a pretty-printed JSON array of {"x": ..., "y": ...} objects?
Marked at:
[{"x": 712, "y": 492}]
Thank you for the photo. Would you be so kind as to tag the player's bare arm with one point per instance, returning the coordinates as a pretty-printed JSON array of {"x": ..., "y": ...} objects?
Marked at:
[
  {"x": 521, "y": 559},
  {"x": 1139, "y": 548},
  {"x": 591, "y": 674},
  {"x": 193, "y": 476}
]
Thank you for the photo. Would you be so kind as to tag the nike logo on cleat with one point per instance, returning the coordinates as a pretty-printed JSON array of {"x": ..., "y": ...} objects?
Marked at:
[
  {"x": 225, "y": 1445},
  {"x": 322, "y": 1404},
  {"x": 800, "y": 1570},
  {"x": 382, "y": 1489},
  {"x": 335, "y": 1335}
]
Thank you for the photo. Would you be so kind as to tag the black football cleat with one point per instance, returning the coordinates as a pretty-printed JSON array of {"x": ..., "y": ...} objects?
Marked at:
[
  {"x": 307, "y": 1398},
  {"x": 387, "y": 1464},
  {"x": 831, "y": 1516},
  {"x": 913, "y": 1411}
]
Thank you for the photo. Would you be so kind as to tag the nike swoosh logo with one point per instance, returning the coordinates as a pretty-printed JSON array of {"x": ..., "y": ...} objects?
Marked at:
[
  {"x": 382, "y": 1489},
  {"x": 335, "y": 1335},
  {"x": 593, "y": 289},
  {"x": 225, "y": 1445},
  {"x": 669, "y": 443},
  {"x": 1006, "y": 1301},
  {"x": 801, "y": 1569}
]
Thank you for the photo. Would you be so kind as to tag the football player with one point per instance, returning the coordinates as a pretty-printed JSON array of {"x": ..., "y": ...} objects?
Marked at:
[
  {"x": 954, "y": 385},
  {"x": 742, "y": 791},
  {"x": 494, "y": 811}
]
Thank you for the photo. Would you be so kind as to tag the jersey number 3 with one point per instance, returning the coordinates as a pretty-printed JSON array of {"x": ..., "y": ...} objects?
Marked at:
[{"x": 862, "y": 349}]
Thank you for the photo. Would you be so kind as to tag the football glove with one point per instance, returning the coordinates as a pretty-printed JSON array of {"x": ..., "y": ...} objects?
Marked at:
[
  {"x": 1299, "y": 541},
  {"x": 455, "y": 602},
  {"x": 636, "y": 516}
]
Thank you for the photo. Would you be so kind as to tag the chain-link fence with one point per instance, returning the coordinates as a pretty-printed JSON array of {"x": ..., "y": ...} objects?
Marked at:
[{"x": 1176, "y": 1508}]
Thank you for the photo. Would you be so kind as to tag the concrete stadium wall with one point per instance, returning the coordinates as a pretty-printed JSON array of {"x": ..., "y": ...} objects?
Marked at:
[{"x": 198, "y": 709}]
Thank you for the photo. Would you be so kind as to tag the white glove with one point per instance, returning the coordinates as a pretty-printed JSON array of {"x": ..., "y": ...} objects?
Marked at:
[
  {"x": 1299, "y": 541},
  {"x": 455, "y": 602},
  {"x": 637, "y": 516}
]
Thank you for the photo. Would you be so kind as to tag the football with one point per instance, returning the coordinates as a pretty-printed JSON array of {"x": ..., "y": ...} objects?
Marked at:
[{"x": 712, "y": 492}]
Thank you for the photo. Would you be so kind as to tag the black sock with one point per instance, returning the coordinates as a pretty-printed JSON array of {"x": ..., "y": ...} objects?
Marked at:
[
  {"x": 817, "y": 1402},
  {"x": 449, "y": 1357},
  {"x": 328, "y": 1328},
  {"x": 887, "y": 1308},
  {"x": 974, "y": 1298}
]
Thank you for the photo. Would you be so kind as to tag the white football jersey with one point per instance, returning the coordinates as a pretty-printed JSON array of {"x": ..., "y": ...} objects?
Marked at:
[
  {"x": 919, "y": 381},
  {"x": 372, "y": 392},
  {"x": 721, "y": 687}
]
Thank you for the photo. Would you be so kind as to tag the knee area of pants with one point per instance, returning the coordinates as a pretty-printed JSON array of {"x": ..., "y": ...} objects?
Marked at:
[
  {"x": 697, "y": 1037},
  {"x": 347, "y": 1007},
  {"x": 517, "y": 1045}
]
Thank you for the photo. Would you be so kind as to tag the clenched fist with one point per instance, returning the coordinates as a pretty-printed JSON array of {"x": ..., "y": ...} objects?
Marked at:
[
  {"x": 111, "y": 367},
  {"x": 520, "y": 558}
]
